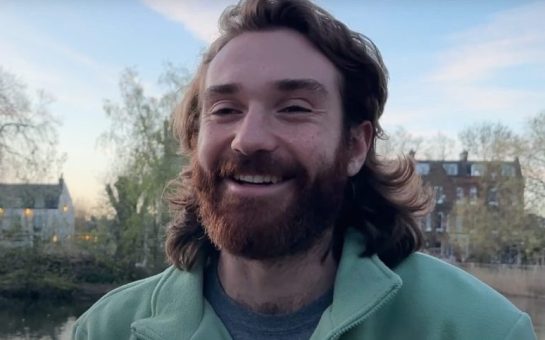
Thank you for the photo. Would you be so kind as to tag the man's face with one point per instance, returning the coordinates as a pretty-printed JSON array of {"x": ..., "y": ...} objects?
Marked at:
[{"x": 270, "y": 166}]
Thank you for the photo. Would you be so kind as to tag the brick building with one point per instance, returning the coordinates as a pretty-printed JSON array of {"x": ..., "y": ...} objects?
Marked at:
[{"x": 491, "y": 184}]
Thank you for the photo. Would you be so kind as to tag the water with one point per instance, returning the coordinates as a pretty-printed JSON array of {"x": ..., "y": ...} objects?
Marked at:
[
  {"x": 53, "y": 320},
  {"x": 38, "y": 320}
]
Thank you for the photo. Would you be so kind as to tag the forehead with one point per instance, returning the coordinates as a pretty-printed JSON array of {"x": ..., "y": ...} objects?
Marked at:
[{"x": 253, "y": 59}]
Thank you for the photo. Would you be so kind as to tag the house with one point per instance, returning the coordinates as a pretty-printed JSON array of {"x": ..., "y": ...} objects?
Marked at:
[
  {"x": 493, "y": 184},
  {"x": 30, "y": 212}
]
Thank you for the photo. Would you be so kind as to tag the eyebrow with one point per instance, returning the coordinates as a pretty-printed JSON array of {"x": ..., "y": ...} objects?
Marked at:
[
  {"x": 283, "y": 85},
  {"x": 287, "y": 85},
  {"x": 222, "y": 89}
]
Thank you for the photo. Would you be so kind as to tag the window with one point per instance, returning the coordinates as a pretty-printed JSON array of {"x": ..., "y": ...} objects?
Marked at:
[
  {"x": 493, "y": 196},
  {"x": 422, "y": 168},
  {"x": 473, "y": 195},
  {"x": 38, "y": 223},
  {"x": 440, "y": 221},
  {"x": 478, "y": 169},
  {"x": 459, "y": 194},
  {"x": 440, "y": 196},
  {"x": 507, "y": 170},
  {"x": 451, "y": 168},
  {"x": 28, "y": 212}
]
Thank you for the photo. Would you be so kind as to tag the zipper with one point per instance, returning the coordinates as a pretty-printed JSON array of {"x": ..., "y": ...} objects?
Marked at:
[{"x": 358, "y": 322}]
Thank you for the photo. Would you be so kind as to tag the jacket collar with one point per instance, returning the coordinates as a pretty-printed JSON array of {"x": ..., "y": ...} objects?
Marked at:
[
  {"x": 179, "y": 310},
  {"x": 362, "y": 286}
]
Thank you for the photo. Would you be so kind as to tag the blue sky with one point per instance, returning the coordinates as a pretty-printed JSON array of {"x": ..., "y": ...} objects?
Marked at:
[{"x": 451, "y": 63}]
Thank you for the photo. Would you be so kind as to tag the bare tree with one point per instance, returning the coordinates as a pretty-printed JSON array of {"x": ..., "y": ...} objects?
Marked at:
[
  {"x": 439, "y": 147},
  {"x": 533, "y": 161},
  {"x": 398, "y": 143},
  {"x": 28, "y": 133},
  {"x": 491, "y": 141}
]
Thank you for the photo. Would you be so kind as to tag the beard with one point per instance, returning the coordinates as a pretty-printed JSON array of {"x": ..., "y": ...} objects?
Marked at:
[{"x": 263, "y": 228}]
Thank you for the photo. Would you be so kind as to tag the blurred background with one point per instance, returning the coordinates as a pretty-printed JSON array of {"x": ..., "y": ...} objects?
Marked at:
[{"x": 86, "y": 92}]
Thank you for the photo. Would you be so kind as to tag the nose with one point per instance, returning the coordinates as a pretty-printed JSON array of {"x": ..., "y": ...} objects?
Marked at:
[{"x": 254, "y": 134}]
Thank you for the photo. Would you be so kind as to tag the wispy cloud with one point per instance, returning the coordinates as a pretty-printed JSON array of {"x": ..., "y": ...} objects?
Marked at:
[
  {"x": 511, "y": 38},
  {"x": 483, "y": 70},
  {"x": 77, "y": 82},
  {"x": 198, "y": 16}
]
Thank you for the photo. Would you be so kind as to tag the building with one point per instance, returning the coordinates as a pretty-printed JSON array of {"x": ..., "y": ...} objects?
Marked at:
[
  {"x": 30, "y": 212},
  {"x": 457, "y": 182}
]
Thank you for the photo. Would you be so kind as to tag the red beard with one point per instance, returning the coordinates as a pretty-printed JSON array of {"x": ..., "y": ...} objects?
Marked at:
[{"x": 264, "y": 229}]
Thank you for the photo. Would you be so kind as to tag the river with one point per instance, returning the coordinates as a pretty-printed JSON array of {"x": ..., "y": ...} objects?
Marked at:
[{"x": 53, "y": 320}]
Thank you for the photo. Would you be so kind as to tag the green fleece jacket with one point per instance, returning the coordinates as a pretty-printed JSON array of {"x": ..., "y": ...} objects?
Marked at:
[{"x": 422, "y": 298}]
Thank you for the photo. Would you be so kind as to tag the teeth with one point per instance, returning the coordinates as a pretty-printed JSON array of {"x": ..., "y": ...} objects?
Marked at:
[{"x": 257, "y": 179}]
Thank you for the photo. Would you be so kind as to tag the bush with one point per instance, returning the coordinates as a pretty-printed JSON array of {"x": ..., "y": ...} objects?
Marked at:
[{"x": 35, "y": 273}]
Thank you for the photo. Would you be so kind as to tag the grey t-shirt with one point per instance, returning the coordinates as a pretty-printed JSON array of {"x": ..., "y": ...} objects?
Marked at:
[{"x": 244, "y": 324}]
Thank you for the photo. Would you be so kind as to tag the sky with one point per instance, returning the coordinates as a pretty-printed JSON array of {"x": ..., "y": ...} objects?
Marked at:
[{"x": 451, "y": 63}]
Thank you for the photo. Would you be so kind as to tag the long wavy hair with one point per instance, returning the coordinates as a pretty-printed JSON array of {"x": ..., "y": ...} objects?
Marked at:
[{"x": 384, "y": 200}]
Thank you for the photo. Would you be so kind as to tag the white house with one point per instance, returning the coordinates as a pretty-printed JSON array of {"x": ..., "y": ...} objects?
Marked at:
[{"x": 35, "y": 211}]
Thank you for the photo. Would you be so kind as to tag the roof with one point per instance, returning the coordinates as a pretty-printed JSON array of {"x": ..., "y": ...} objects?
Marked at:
[
  {"x": 36, "y": 196},
  {"x": 464, "y": 168}
]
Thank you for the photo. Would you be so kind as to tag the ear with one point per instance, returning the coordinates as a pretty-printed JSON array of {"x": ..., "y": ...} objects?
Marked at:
[{"x": 361, "y": 136}]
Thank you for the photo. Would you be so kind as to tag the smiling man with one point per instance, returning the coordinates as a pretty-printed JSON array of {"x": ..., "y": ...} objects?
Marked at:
[{"x": 287, "y": 225}]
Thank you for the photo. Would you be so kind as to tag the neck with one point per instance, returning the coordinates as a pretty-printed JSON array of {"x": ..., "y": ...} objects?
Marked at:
[{"x": 280, "y": 286}]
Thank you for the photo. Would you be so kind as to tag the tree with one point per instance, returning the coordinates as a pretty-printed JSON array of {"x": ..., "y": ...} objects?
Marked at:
[
  {"x": 533, "y": 161},
  {"x": 28, "y": 133},
  {"x": 147, "y": 158},
  {"x": 398, "y": 143},
  {"x": 504, "y": 229},
  {"x": 490, "y": 141},
  {"x": 438, "y": 147}
]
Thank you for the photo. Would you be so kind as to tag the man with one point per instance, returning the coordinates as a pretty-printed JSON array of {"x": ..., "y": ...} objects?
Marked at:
[{"x": 286, "y": 223}]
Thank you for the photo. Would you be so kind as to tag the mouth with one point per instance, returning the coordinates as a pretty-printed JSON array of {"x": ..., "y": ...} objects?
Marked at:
[
  {"x": 250, "y": 185},
  {"x": 257, "y": 179}
]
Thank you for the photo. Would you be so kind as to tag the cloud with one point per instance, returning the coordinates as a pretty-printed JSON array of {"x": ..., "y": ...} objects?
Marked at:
[
  {"x": 485, "y": 71},
  {"x": 511, "y": 38},
  {"x": 200, "y": 17}
]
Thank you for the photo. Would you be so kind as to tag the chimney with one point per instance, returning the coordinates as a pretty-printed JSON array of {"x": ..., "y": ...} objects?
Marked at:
[{"x": 463, "y": 156}]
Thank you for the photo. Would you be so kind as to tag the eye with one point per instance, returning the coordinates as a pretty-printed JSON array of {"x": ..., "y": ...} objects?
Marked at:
[
  {"x": 295, "y": 108},
  {"x": 224, "y": 111}
]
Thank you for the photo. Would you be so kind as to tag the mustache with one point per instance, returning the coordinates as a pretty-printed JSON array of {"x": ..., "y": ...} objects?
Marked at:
[{"x": 257, "y": 163}]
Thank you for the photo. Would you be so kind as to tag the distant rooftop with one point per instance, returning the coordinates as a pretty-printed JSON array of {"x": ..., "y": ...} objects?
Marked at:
[
  {"x": 465, "y": 167},
  {"x": 36, "y": 196}
]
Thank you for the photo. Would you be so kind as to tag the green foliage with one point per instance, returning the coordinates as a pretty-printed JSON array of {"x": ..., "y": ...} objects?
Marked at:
[
  {"x": 28, "y": 272},
  {"x": 146, "y": 159},
  {"x": 39, "y": 273},
  {"x": 501, "y": 230}
]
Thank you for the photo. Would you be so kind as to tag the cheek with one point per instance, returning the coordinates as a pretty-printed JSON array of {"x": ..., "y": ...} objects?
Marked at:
[
  {"x": 315, "y": 149},
  {"x": 209, "y": 146}
]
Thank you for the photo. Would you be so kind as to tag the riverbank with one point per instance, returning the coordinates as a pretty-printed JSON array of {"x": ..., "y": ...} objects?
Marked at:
[{"x": 34, "y": 274}]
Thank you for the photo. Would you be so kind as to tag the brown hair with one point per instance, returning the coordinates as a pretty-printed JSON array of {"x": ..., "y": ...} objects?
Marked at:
[{"x": 383, "y": 201}]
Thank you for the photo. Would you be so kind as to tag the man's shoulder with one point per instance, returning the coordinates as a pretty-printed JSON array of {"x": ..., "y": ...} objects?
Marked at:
[
  {"x": 432, "y": 278},
  {"x": 430, "y": 275},
  {"x": 439, "y": 291},
  {"x": 116, "y": 310}
]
